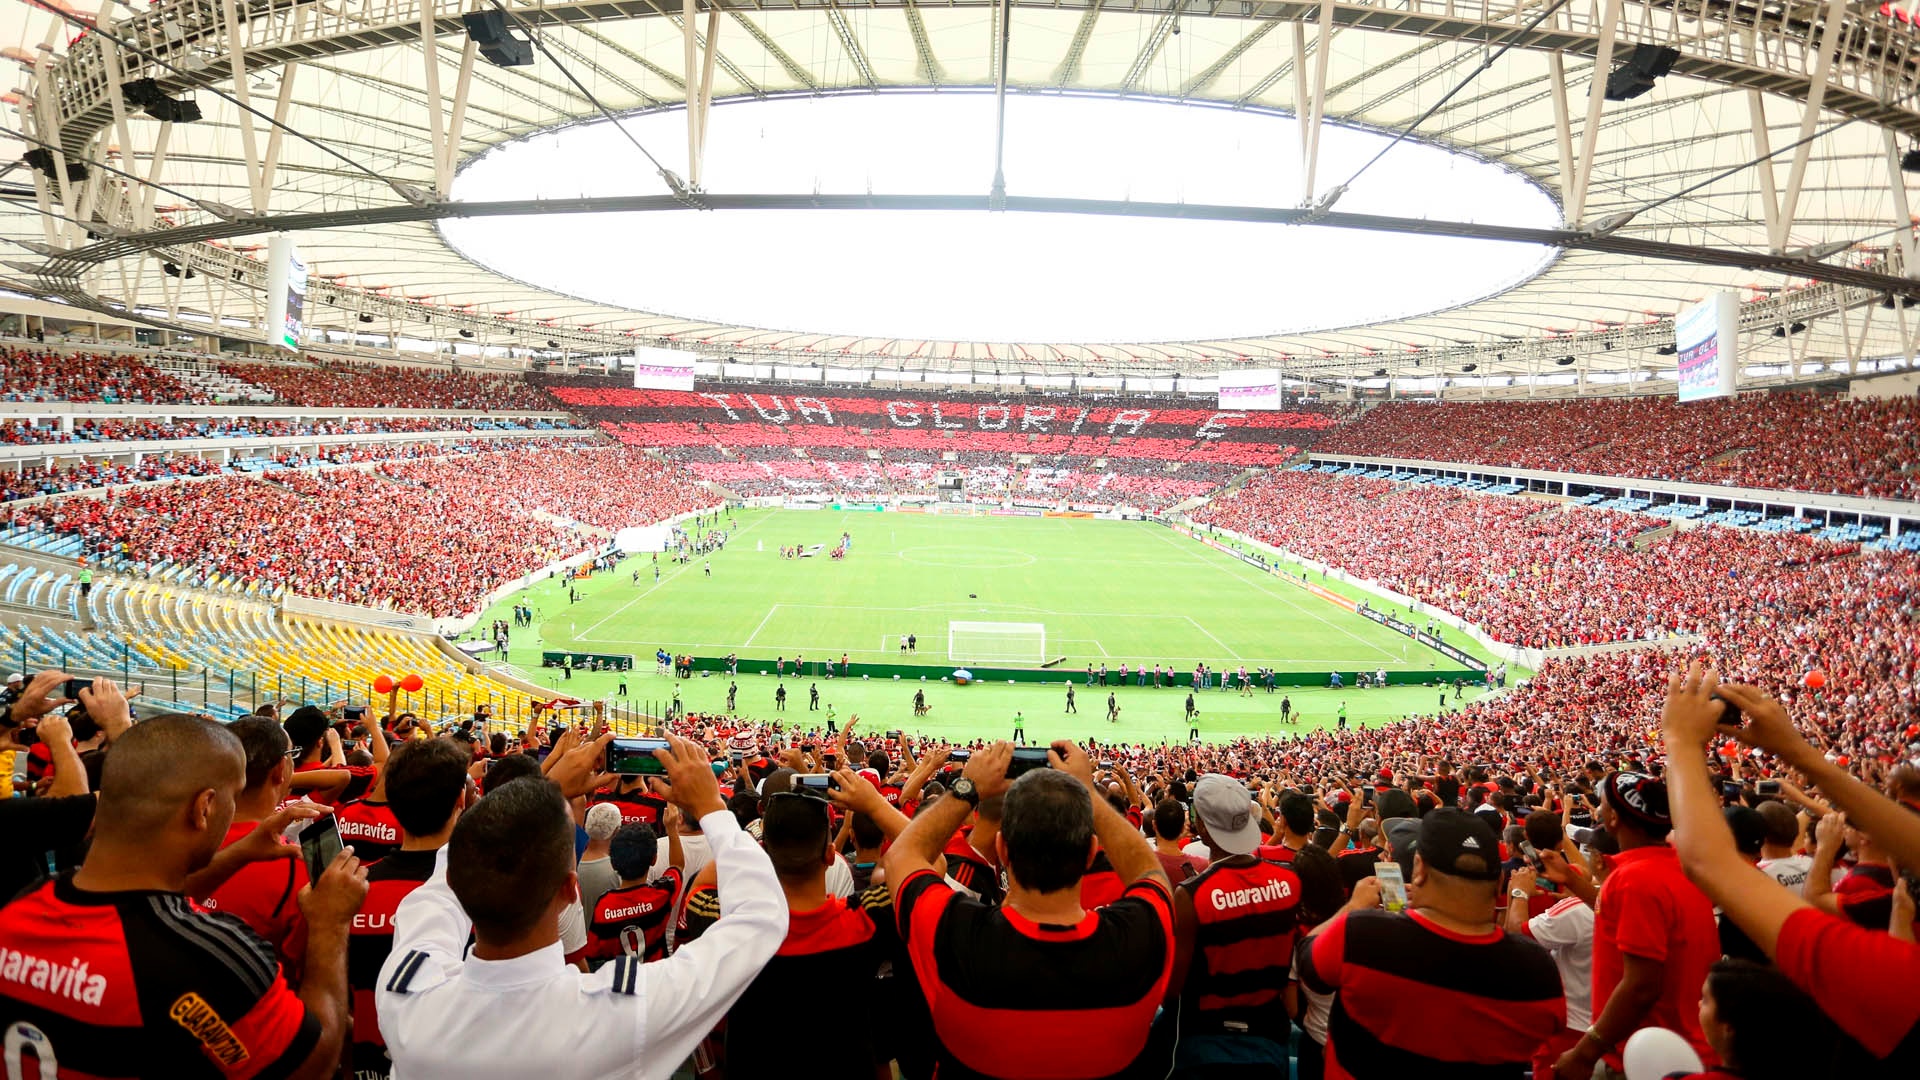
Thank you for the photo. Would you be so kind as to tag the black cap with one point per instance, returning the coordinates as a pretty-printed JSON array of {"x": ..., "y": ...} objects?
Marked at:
[
  {"x": 1448, "y": 835},
  {"x": 1637, "y": 797}
]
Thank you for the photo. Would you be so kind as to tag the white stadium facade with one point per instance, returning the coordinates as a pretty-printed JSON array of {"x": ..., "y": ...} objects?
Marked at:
[{"x": 1481, "y": 199}]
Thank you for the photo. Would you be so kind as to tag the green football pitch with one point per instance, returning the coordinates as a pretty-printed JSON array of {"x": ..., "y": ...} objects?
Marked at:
[{"x": 1106, "y": 592}]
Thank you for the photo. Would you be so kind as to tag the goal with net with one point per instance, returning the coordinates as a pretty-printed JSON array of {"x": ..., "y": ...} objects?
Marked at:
[{"x": 998, "y": 643}]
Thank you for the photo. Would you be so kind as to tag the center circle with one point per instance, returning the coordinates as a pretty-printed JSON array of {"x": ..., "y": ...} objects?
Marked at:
[
  {"x": 967, "y": 275},
  {"x": 967, "y": 558}
]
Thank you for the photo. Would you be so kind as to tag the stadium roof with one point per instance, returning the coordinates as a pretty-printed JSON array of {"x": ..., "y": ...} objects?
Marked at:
[{"x": 1671, "y": 208}]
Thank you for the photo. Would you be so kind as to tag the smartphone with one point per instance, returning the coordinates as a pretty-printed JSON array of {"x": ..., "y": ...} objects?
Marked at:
[
  {"x": 736, "y": 756},
  {"x": 1106, "y": 764},
  {"x": 1393, "y": 886},
  {"x": 1768, "y": 787},
  {"x": 354, "y": 713},
  {"x": 73, "y": 688},
  {"x": 894, "y": 735},
  {"x": 815, "y": 784},
  {"x": 961, "y": 756},
  {"x": 1730, "y": 789},
  {"x": 319, "y": 845},
  {"x": 1366, "y": 796},
  {"x": 1025, "y": 760},
  {"x": 634, "y": 757}
]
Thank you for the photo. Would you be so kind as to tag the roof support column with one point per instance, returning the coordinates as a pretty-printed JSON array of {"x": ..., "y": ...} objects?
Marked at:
[
  {"x": 1596, "y": 97},
  {"x": 249, "y": 143},
  {"x": 1830, "y": 41},
  {"x": 699, "y": 76},
  {"x": 1763, "y": 154},
  {"x": 436, "y": 119},
  {"x": 1310, "y": 103},
  {"x": 1902, "y": 216},
  {"x": 449, "y": 153},
  {"x": 1562, "y": 119}
]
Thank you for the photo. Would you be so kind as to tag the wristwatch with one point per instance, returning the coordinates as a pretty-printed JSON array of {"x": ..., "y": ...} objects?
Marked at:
[
  {"x": 1519, "y": 894},
  {"x": 963, "y": 790}
]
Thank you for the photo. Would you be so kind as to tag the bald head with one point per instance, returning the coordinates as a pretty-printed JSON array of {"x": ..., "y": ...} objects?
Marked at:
[{"x": 158, "y": 768}]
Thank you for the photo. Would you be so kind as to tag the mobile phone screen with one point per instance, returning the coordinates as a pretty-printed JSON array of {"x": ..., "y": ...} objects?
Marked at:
[
  {"x": 1393, "y": 886},
  {"x": 319, "y": 845},
  {"x": 634, "y": 757}
]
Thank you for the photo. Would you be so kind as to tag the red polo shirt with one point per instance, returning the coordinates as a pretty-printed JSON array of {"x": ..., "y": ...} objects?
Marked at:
[{"x": 1649, "y": 909}]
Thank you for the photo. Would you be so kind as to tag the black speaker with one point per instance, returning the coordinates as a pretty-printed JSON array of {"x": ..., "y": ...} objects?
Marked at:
[
  {"x": 40, "y": 159},
  {"x": 488, "y": 29},
  {"x": 1645, "y": 64}
]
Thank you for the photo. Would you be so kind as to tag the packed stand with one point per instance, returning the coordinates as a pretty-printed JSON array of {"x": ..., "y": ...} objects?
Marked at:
[
  {"x": 609, "y": 487},
  {"x": 433, "y": 537},
  {"x": 771, "y": 441},
  {"x": 40, "y": 375},
  {"x": 21, "y": 433},
  {"x": 1782, "y": 441},
  {"x": 1525, "y": 571},
  {"x": 338, "y": 384}
]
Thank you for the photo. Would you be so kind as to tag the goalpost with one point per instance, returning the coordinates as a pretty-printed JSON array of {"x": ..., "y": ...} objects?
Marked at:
[{"x": 997, "y": 643}]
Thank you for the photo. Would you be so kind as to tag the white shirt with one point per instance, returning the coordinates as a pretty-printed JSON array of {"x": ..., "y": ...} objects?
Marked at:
[
  {"x": 1791, "y": 871},
  {"x": 472, "y": 1019},
  {"x": 1566, "y": 930}
]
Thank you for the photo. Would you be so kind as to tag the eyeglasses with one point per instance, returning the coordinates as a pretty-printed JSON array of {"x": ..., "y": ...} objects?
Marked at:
[{"x": 807, "y": 797}]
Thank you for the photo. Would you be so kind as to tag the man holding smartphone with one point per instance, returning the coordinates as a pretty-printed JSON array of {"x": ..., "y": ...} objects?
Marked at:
[{"x": 505, "y": 877}]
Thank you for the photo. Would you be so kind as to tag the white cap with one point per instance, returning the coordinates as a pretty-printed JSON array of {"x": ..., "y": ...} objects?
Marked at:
[{"x": 15, "y": 677}]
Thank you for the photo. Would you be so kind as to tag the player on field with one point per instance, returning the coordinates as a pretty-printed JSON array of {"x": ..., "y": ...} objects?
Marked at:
[{"x": 1070, "y": 707}]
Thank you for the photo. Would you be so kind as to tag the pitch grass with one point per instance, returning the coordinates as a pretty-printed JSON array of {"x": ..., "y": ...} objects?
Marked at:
[{"x": 1107, "y": 591}]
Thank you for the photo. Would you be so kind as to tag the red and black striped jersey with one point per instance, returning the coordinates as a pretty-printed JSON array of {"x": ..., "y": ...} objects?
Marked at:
[
  {"x": 636, "y": 807},
  {"x": 633, "y": 920},
  {"x": 1248, "y": 916},
  {"x": 1011, "y": 997},
  {"x": 699, "y": 912},
  {"x": 1416, "y": 999},
  {"x": 360, "y": 780},
  {"x": 388, "y": 882},
  {"x": 966, "y": 866},
  {"x": 369, "y": 828},
  {"x": 832, "y": 953},
  {"x": 142, "y": 984},
  {"x": 266, "y": 896}
]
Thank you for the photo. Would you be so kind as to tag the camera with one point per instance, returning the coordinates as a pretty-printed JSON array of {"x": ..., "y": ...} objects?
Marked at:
[
  {"x": 1768, "y": 787},
  {"x": 74, "y": 686},
  {"x": 961, "y": 756},
  {"x": 1025, "y": 760},
  {"x": 815, "y": 784}
]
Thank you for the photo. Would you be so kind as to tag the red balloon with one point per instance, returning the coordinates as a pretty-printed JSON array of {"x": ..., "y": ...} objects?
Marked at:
[
  {"x": 1816, "y": 679},
  {"x": 1732, "y": 749},
  {"x": 382, "y": 684},
  {"x": 412, "y": 684}
]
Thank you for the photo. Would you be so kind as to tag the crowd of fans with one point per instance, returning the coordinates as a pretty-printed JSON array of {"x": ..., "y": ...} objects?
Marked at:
[
  {"x": 28, "y": 374},
  {"x": 1702, "y": 888},
  {"x": 21, "y": 433},
  {"x": 607, "y": 487},
  {"x": 431, "y": 537},
  {"x": 1783, "y": 441},
  {"x": 339, "y": 384},
  {"x": 1528, "y": 573}
]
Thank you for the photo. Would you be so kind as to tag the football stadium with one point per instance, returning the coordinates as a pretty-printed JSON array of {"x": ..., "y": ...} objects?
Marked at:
[{"x": 1370, "y": 538}]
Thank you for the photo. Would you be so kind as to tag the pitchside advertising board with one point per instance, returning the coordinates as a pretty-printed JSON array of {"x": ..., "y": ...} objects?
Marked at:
[
  {"x": 662, "y": 369},
  {"x": 1706, "y": 341},
  {"x": 286, "y": 293},
  {"x": 1250, "y": 390}
]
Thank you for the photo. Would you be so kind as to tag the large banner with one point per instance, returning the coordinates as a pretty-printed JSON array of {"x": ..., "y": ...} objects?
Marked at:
[
  {"x": 1706, "y": 340},
  {"x": 286, "y": 293},
  {"x": 662, "y": 369},
  {"x": 1253, "y": 390}
]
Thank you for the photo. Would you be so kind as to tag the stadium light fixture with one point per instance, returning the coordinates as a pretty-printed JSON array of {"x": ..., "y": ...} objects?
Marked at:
[{"x": 1910, "y": 161}]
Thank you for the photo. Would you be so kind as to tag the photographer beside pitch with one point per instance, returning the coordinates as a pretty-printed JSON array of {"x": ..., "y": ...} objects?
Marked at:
[{"x": 512, "y": 1004}]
